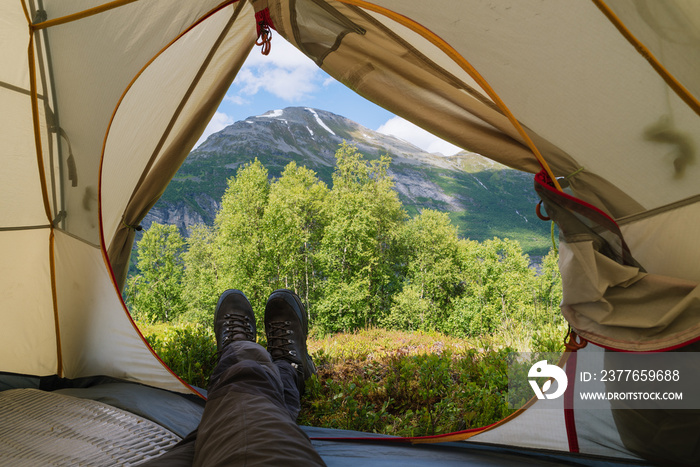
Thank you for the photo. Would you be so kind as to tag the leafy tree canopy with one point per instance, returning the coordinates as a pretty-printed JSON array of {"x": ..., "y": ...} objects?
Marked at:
[
  {"x": 156, "y": 293},
  {"x": 350, "y": 251}
]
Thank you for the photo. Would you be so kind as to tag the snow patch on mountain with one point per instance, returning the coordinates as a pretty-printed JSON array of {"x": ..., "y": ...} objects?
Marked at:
[
  {"x": 320, "y": 122},
  {"x": 272, "y": 114}
]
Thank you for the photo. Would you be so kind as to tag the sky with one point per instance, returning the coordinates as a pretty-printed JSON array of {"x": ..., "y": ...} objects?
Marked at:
[{"x": 287, "y": 78}]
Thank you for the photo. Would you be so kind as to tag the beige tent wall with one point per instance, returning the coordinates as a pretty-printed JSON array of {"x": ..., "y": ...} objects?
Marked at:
[
  {"x": 667, "y": 242},
  {"x": 148, "y": 162},
  {"x": 83, "y": 67},
  {"x": 27, "y": 335},
  {"x": 669, "y": 30},
  {"x": 572, "y": 66},
  {"x": 534, "y": 428},
  {"x": 114, "y": 46},
  {"x": 150, "y": 105},
  {"x": 21, "y": 203},
  {"x": 97, "y": 336}
]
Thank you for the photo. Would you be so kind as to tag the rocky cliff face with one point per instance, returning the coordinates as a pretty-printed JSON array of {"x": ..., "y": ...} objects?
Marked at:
[
  {"x": 485, "y": 199},
  {"x": 181, "y": 213}
]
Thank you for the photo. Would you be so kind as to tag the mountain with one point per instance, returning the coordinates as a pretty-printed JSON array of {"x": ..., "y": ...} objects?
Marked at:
[{"x": 483, "y": 198}]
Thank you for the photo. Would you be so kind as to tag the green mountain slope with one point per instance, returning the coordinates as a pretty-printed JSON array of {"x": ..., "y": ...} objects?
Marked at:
[{"x": 484, "y": 199}]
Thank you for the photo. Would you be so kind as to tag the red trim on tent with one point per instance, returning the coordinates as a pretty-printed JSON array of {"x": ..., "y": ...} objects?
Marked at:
[
  {"x": 263, "y": 19},
  {"x": 569, "y": 419},
  {"x": 404, "y": 439},
  {"x": 543, "y": 179},
  {"x": 263, "y": 22},
  {"x": 594, "y": 214}
]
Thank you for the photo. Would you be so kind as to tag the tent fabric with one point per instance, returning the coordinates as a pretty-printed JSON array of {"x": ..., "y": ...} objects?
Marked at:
[
  {"x": 600, "y": 79},
  {"x": 615, "y": 302},
  {"x": 668, "y": 32},
  {"x": 384, "y": 452},
  {"x": 115, "y": 71},
  {"x": 202, "y": 88},
  {"x": 102, "y": 100}
]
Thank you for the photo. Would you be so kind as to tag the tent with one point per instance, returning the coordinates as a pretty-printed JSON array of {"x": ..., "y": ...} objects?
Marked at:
[{"x": 101, "y": 101}]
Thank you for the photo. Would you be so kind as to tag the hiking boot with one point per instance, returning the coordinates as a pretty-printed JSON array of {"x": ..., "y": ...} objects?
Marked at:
[
  {"x": 234, "y": 319},
  {"x": 286, "y": 327}
]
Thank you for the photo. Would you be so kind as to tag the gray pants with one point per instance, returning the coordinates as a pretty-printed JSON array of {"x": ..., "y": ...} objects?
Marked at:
[{"x": 249, "y": 418}]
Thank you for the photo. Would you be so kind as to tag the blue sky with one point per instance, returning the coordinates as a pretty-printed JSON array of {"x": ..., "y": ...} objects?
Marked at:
[{"x": 286, "y": 77}]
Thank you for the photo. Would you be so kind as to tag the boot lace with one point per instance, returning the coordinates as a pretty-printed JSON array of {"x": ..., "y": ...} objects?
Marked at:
[
  {"x": 234, "y": 324},
  {"x": 280, "y": 341}
]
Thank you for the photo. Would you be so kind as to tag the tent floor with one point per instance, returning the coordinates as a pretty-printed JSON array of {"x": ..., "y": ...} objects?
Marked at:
[
  {"x": 351, "y": 453},
  {"x": 121, "y": 406}
]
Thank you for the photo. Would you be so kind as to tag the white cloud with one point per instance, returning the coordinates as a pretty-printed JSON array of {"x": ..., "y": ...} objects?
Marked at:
[
  {"x": 218, "y": 122},
  {"x": 285, "y": 72},
  {"x": 238, "y": 100},
  {"x": 407, "y": 131}
]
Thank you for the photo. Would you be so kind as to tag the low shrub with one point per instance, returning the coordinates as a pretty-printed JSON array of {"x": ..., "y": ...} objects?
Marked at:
[
  {"x": 188, "y": 349},
  {"x": 413, "y": 384},
  {"x": 382, "y": 381},
  {"x": 549, "y": 338}
]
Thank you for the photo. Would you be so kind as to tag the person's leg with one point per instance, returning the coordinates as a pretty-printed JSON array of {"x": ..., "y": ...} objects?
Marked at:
[
  {"x": 246, "y": 420},
  {"x": 234, "y": 320},
  {"x": 250, "y": 415},
  {"x": 288, "y": 376}
]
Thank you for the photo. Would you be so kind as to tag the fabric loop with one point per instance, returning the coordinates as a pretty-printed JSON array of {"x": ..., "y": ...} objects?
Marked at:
[
  {"x": 538, "y": 210},
  {"x": 136, "y": 228},
  {"x": 265, "y": 26},
  {"x": 574, "y": 342},
  {"x": 574, "y": 173}
]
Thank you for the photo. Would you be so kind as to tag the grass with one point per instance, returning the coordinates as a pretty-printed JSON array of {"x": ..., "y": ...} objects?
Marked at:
[{"x": 376, "y": 343}]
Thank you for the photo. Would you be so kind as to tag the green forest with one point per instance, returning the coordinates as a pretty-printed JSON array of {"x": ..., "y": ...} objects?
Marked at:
[{"x": 365, "y": 269}]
